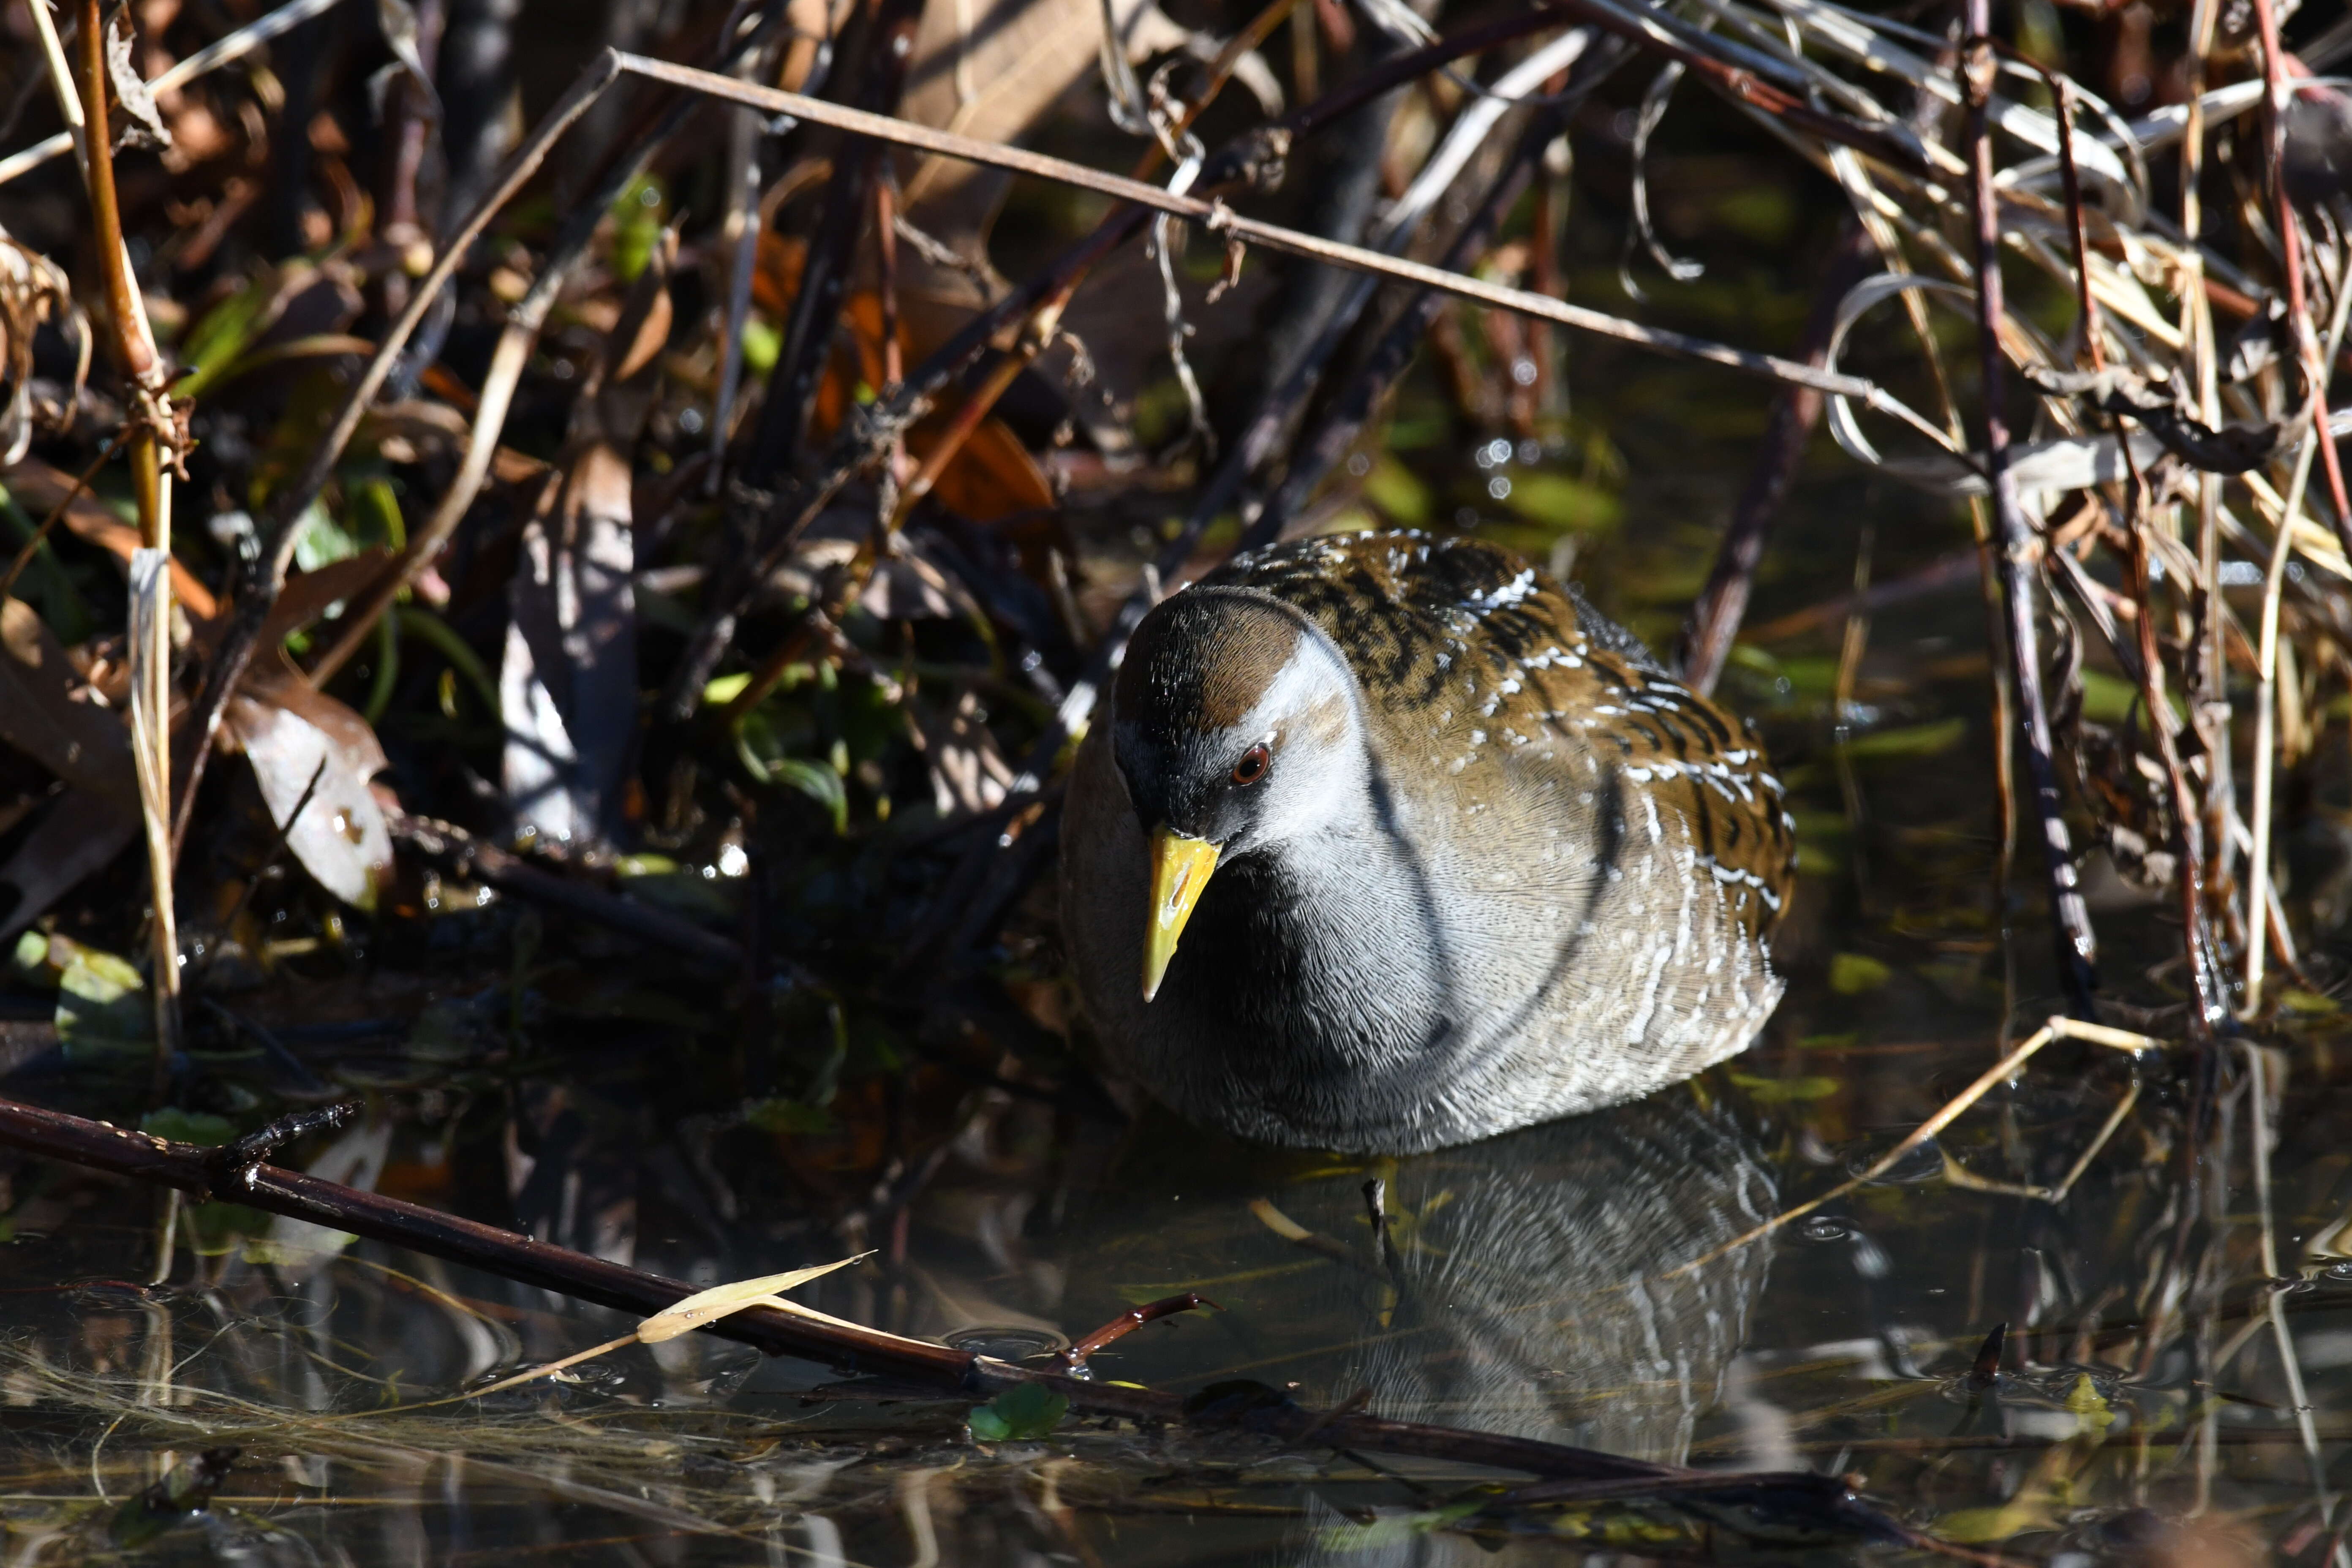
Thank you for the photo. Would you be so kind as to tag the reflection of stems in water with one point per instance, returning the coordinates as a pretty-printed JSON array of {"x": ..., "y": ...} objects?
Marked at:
[
  {"x": 2060, "y": 1028},
  {"x": 1960, "y": 1176},
  {"x": 1298, "y": 1235},
  {"x": 2258, "y": 1153}
]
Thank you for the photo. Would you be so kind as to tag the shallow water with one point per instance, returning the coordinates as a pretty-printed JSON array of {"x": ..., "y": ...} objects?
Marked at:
[{"x": 2176, "y": 1383}]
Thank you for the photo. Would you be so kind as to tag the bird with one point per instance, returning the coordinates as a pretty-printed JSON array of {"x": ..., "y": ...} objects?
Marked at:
[{"x": 1385, "y": 842}]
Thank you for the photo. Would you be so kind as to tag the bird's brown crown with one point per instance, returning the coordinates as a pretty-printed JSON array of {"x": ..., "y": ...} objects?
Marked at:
[{"x": 1201, "y": 660}]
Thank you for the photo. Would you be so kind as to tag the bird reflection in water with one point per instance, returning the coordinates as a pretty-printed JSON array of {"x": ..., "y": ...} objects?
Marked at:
[{"x": 1527, "y": 1285}]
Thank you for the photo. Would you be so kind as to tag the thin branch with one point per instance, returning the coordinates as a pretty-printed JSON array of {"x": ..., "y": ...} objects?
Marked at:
[
  {"x": 470, "y": 858},
  {"x": 1221, "y": 220},
  {"x": 1075, "y": 1358},
  {"x": 2076, "y": 945}
]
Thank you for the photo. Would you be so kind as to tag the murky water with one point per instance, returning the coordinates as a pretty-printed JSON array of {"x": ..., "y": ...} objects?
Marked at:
[{"x": 2175, "y": 1385}]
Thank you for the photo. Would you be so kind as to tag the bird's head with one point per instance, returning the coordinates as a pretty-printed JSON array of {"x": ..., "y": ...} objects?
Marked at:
[{"x": 1236, "y": 728}]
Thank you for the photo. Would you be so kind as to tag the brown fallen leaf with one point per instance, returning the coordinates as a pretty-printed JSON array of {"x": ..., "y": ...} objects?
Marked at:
[
  {"x": 43, "y": 710},
  {"x": 38, "y": 488},
  {"x": 43, "y": 715},
  {"x": 311, "y": 595},
  {"x": 294, "y": 735}
]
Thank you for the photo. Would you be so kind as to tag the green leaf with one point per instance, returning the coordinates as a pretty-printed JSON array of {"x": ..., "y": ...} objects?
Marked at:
[
  {"x": 638, "y": 226},
  {"x": 322, "y": 540},
  {"x": 814, "y": 780},
  {"x": 1785, "y": 1090},
  {"x": 103, "y": 1009},
  {"x": 375, "y": 508},
  {"x": 220, "y": 338},
  {"x": 1398, "y": 491},
  {"x": 1912, "y": 740},
  {"x": 1559, "y": 500},
  {"x": 30, "y": 961},
  {"x": 1852, "y": 973},
  {"x": 761, "y": 344},
  {"x": 1024, "y": 1413},
  {"x": 646, "y": 866}
]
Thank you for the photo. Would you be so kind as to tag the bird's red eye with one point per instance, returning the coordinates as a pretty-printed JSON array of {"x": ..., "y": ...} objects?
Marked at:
[{"x": 1253, "y": 766}]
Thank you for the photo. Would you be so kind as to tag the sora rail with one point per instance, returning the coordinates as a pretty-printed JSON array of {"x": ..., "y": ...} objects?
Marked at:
[{"x": 1385, "y": 842}]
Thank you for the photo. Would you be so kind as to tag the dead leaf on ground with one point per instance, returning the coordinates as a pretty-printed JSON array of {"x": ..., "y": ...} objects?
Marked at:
[
  {"x": 293, "y": 734},
  {"x": 43, "y": 715}
]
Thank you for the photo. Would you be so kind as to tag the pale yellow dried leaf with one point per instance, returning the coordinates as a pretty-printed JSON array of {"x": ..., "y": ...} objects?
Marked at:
[{"x": 723, "y": 1301}]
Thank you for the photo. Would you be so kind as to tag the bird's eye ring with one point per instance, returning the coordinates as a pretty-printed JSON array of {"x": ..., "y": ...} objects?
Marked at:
[{"x": 1253, "y": 766}]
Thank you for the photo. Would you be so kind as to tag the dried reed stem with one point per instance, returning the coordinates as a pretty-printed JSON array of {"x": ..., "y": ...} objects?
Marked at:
[
  {"x": 2268, "y": 695},
  {"x": 2076, "y": 945},
  {"x": 150, "y": 436}
]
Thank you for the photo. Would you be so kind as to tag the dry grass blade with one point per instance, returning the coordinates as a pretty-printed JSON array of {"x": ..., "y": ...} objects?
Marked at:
[
  {"x": 720, "y": 1300},
  {"x": 698, "y": 1310}
]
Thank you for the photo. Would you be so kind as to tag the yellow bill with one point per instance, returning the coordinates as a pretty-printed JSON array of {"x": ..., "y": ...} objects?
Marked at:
[{"x": 1180, "y": 870}]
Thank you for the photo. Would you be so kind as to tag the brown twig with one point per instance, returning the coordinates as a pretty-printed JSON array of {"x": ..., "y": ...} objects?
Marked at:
[
  {"x": 2187, "y": 843},
  {"x": 1222, "y": 221},
  {"x": 152, "y": 442},
  {"x": 1721, "y": 606},
  {"x": 1074, "y": 1359},
  {"x": 2290, "y": 228}
]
